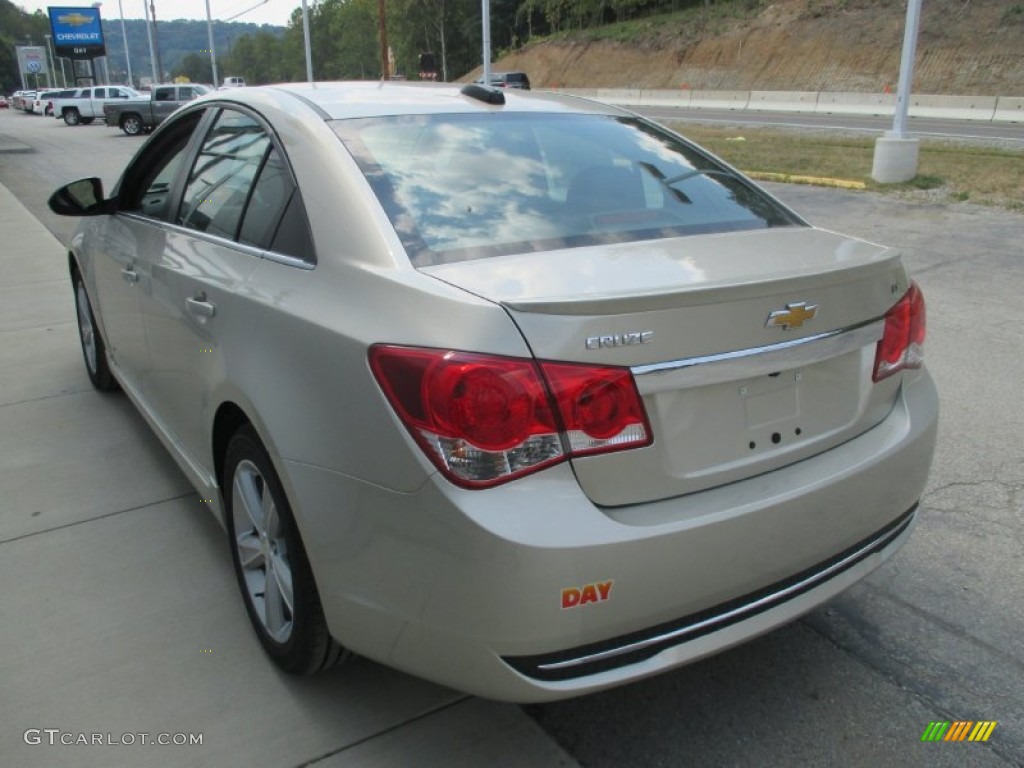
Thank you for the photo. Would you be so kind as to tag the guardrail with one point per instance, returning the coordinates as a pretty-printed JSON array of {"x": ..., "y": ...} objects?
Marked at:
[{"x": 982, "y": 108}]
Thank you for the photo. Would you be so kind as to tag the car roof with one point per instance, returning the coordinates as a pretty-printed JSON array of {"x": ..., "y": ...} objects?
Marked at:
[{"x": 345, "y": 100}]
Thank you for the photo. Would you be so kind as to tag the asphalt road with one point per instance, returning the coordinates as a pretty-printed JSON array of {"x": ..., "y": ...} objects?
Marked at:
[
  {"x": 1011, "y": 134},
  {"x": 933, "y": 635}
]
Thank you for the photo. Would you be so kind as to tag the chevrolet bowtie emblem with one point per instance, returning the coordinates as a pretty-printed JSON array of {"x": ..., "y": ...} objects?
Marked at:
[
  {"x": 793, "y": 316},
  {"x": 75, "y": 19}
]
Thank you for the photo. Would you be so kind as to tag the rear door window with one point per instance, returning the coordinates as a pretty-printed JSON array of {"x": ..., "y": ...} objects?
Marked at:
[{"x": 222, "y": 177}]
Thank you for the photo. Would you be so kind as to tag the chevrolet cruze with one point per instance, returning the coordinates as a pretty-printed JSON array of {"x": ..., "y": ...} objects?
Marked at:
[{"x": 517, "y": 392}]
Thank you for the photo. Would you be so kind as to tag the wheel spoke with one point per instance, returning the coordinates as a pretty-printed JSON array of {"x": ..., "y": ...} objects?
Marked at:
[
  {"x": 273, "y": 602},
  {"x": 248, "y": 495},
  {"x": 250, "y": 555},
  {"x": 282, "y": 574},
  {"x": 271, "y": 523},
  {"x": 85, "y": 328}
]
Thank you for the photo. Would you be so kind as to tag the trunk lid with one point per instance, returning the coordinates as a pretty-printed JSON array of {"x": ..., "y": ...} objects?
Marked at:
[{"x": 751, "y": 350}]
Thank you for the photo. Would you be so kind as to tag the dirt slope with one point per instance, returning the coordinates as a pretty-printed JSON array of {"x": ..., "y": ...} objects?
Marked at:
[{"x": 965, "y": 47}]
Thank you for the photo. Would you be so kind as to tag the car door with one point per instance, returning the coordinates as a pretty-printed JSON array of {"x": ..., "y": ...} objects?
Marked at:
[
  {"x": 129, "y": 241},
  {"x": 165, "y": 102},
  {"x": 94, "y": 107},
  {"x": 203, "y": 270}
]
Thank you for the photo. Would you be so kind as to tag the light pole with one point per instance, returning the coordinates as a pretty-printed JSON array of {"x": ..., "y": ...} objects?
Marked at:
[
  {"x": 896, "y": 153},
  {"x": 486, "y": 13},
  {"x": 305, "y": 36},
  {"x": 213, "y": 53},
  {"x": 49, "y": 57},
  {"x": 154, "y": 41},
  {"x": 106, "y": 75},
  {"x": 149, "y": 35},
  {"x": 124, "y": 35}
]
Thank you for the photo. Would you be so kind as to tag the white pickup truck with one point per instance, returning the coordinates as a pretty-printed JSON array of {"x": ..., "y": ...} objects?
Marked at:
[{"x": 86, "y": 104}]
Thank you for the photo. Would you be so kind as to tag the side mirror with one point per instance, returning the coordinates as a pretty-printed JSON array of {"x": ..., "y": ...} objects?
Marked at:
[{"x": 80, "y": 198}]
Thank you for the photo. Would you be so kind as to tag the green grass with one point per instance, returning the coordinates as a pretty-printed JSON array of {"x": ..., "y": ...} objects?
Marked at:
[{"x": 982, "y": 175}]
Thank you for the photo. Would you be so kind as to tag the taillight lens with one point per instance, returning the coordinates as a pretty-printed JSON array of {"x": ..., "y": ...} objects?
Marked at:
[
  {"x": 902, "y": 343},
  {"x": 484, "y": 420}
]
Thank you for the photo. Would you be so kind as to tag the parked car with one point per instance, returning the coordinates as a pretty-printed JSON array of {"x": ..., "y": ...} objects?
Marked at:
[
  {"x": 42, "y": 104},
  {"x": 142, "y": 114},
  {"x": 508, "y": 80},
  {"x": 529, "y": 433},
  {"x": 25, "y": 99},
  {"x": 4, "y": 103},
  {"x": 232, "y": 82},
  {"x": 81, "y": 106}
]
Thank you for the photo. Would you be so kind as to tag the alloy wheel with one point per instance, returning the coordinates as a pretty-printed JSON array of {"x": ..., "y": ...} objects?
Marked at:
[{"x": 262, "y": 551}]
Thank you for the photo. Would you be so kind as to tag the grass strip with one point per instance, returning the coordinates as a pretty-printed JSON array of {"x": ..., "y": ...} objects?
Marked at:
[{"x": 951, "y": 171}]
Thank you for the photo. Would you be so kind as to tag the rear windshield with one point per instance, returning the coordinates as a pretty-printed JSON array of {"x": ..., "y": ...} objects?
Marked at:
[{"x": 469, "y": 186}]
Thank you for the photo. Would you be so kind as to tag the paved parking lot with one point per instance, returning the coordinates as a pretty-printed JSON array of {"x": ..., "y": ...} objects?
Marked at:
[{"x": 122, "y": 614}]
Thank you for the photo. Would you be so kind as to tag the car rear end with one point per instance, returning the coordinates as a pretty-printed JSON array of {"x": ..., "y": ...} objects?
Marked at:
[{"x": 715, "y": 417}]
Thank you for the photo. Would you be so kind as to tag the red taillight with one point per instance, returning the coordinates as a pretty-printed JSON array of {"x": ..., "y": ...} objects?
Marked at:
[
  {"x": 599, "y": 407},
  {"x": 902, "y": 343},
  {"x": 484, "y": 419}
]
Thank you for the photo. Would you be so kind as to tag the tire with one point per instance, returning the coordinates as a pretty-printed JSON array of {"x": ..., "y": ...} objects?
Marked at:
[
  {"x": 291, "y": 627},
  {"x": 132, "y": 124},
  {"x": 87, "y": 120},
  {"x": 93, "y": 349},
  {"x": 71, "y": 117}
]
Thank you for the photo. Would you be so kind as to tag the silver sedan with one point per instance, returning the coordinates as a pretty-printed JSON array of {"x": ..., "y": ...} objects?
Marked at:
[{"x": 520, "y": 393}]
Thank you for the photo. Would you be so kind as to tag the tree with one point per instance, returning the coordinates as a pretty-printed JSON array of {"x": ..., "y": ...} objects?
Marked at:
[{"x": 197, "y": 68}]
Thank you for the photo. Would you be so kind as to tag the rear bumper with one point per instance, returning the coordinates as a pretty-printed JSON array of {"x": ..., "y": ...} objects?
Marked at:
[
  {"x": 464, "y": 587},
  {"x": 640, "y": 646}
]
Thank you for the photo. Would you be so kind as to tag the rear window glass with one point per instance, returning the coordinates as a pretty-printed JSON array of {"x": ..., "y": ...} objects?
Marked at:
[{"x": 469, "y": 186}]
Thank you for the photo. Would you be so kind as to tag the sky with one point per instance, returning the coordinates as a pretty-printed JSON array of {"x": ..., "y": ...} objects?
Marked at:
[{"x": 265, "y": 11}]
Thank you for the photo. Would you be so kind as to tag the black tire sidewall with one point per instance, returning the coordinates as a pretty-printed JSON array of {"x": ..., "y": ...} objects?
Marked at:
[{"x": 131, "y": 120}]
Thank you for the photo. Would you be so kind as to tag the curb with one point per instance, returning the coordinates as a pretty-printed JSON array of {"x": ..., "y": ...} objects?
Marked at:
[
  {"x": 816, "y": 181},
  {"x": 9, "y": 146}
]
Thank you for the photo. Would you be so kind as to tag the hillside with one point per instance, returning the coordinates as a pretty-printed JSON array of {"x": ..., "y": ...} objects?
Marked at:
[{"x": 965, "y": 47}]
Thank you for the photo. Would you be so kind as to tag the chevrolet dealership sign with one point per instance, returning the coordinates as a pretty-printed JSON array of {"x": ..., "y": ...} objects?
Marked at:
[{"x": 77, "y": 32}]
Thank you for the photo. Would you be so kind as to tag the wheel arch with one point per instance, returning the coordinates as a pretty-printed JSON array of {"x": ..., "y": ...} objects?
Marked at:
[{"x": 230, "y": 417}]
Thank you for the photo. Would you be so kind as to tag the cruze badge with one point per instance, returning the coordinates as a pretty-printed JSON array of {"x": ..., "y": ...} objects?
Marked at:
[
  {"x": 620, "y": 340},
  {"x": 793, "y": 316}
]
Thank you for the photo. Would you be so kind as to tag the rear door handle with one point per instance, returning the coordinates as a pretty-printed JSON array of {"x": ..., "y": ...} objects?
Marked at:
[
  {"x": 130, "y": 275},
  {"x": 200, "y": 306}
]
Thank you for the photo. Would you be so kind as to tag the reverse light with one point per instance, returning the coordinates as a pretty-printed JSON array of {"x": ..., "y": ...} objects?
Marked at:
[
  {"x": 902, "y": 343},
  {"x": 484, "y": 419}
]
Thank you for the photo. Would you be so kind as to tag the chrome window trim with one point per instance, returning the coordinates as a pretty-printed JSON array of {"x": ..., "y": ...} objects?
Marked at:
[
  {"x": 886, "y": 538},
  {"x": 251, "y": 250},
  {"x": 755, "y": 361}
]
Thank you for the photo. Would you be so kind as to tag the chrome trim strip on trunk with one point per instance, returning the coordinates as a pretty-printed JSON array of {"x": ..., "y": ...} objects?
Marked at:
[{"x": 756, "y": 361}]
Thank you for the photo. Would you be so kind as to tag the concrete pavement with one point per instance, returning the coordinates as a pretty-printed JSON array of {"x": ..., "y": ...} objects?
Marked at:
[{"x": 119, "y": 611}]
